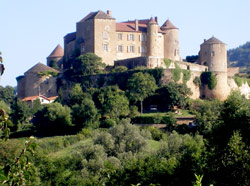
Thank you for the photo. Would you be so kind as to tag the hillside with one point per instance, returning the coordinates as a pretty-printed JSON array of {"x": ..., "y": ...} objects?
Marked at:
[{"x": 240, "y": 57}]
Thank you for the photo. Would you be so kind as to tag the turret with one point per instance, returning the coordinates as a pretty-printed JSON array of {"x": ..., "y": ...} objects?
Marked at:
[
  {"x": 55, "y": 57},
  {"x": 171, "y": 41},
  {"x": 152, "y": 35},
  {"x": 213, "y": 53}
]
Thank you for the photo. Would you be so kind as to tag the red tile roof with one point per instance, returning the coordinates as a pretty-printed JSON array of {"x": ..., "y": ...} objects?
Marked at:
[
  {"x": 129, "y": 26},
  {"x": 57, "y": 52},
  {"x": 31, "y": 98},
  {"x": 52, "y": 98}
]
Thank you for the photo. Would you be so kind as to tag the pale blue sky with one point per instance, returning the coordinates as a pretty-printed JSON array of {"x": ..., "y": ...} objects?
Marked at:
[{"x": 31, "y": 29}]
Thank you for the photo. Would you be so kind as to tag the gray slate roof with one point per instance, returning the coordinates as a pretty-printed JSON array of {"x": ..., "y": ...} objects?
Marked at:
[
  {"x": 213, "y": 40},
  {"x": 96, "y": 15},
  {"x": 39, "y": 67}
]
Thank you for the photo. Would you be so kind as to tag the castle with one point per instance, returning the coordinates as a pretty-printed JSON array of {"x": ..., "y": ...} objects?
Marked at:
[{"x": 137, "y": 43}]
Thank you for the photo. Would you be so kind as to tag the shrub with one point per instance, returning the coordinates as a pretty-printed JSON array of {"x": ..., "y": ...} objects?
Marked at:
[
  {"x": 186, "y": 76},
  {"x": 107, "y": 123},
  {"x": 209, "y": 79},
  {"x": 167, "y": 62},
  {"x": 176, "y": 73},
  {"x": 197, "y": 81}
]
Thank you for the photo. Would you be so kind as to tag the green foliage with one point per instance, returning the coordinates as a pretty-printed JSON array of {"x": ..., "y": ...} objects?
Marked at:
[
  {"x": 209, "y": 79},
  {"x": 154, "y": 119},
  {"x": 186, "y": 76},
  {"x": 107, "y": 123},
  {"x": 87, "y": 64},
  {"x": 207, "y": 114},
  {"x": 171, "y": 95},
  {"x": 112, "y": 102},
  {"x": 239, "y": 57},
  {"x": 240, "y": 80},
  {"x": 53, "y": 64},
  {"x": 7, "y": 94},
  {"x": 36, "y": 106},
  {"x": 5, "y": 123},
  {"x": 119, "y": 69},
  {"x": 140, "y": 86},
  {"x": 197, "y": 81},
  {"x": 176, "y": 73},
  {"x": 167, "y": 62},
  {"x": 21, "y": 113},
  {"x": 5, "y": 107},
  {"x": 48, "y": 73},
  {"x": 198, "y": 180},
  {"x": 85, "y": 114},
  {"x": 21, "y": 171},
  {"x": 53, "y": 119},
  {"x": 192, "y": 58}
]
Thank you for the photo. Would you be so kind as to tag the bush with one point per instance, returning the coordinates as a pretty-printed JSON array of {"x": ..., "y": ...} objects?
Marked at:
[
  {"x": 176, "y": 73},
  {"x": 186, "y": 76},
  {"x": 156, "y": 119},
  {"x": 167, "y": 62},
  {"x": 107, "y": 123},
  {"x": 209, "y": 79},
  {"x": 197, "y": 81}
]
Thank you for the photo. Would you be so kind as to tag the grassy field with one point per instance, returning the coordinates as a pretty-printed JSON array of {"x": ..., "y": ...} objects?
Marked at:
[{"x": 182, "y": 113}]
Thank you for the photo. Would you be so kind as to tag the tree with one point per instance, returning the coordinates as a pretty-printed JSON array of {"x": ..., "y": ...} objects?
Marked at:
[
  {"x": 172, "y": 94},
  {"x": 112, "y": 102},
  {"x": 21, "y": 112},
  {"x": 87, "y": 64},
  {"x": 53, "y": 119},
  {"x": 85, "y": 114},
  {"x": 76, "y": 95},
  {"x": 119, "y": 69},
  {"x": 7, "y": 94},
  {"x": 140, "y": 86}
]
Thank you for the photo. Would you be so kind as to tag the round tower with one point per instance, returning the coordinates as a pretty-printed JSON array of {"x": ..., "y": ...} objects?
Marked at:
[
  {"x": 56, "y": 57},
  {"x": 152, "y": 37},
  {"x": 213, "y": 53},
  {"x": 171, "y": 41}
]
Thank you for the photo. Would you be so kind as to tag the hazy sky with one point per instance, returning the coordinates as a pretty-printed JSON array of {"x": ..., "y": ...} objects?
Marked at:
[{"x": 31, "y": 29}]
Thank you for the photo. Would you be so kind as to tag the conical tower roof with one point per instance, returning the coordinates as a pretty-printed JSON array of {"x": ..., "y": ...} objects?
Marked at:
[
  {"x": 152, "y": 21},
  {"x": 168, "y": 25},
  {"x": 57, "y": 52},
  {"x": 212, "y": 40}
]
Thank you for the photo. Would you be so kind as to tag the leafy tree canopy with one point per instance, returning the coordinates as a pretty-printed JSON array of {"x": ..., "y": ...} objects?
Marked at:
[
  {"x": 140, "y": 86},
  {"x": 7, "y": 94},
  {"x": 88, "y": 64}
]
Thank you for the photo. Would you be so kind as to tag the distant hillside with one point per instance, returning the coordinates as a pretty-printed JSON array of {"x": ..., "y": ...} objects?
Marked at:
[{"x": 240, "y": 57}]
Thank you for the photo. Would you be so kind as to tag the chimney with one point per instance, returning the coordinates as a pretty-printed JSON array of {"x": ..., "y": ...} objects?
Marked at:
[
  {"x": 109, "y": 12},
  {"x": 136, "y": 25},
  {"x": 156, "y": 19}
]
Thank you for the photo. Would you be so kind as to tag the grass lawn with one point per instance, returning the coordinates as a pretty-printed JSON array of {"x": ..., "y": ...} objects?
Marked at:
[{"x": 183, "y": 113}]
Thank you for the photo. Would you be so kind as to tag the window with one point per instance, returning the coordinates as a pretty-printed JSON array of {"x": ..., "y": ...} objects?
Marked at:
[
  {"x": 143, "y": 50},
  {"x": 213, "y": 53},
  {"x": 131, "y": 48},
  {"x": 131, "y": 37},
  {"x": 119, "y": 36},
  {"x": 105, "y": 35},
  {"x": 119, "y": 48},
  {"x": 143, "y": 37},
  {"x": 82, "y": 48},
  {"x": 105, "y": 47}
]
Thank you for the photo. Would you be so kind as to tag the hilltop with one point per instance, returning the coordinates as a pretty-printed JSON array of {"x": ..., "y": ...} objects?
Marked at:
[{"x": 240, "y": 57}]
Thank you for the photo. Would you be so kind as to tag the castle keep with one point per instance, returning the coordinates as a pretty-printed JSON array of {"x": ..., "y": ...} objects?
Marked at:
[{"x": 135, "y": 43}]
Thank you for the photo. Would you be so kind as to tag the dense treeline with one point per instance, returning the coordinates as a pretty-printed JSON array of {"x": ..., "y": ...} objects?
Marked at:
[
  {"x": 240, "y": 57},
  {"x": 99, "y": 145}
]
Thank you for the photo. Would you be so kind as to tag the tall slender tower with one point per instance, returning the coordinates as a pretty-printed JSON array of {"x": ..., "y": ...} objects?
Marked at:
[
  {"x": 152, "y": 34},
  {"x": 213, "y": 53},
  {"x": 171, "y": 41}
]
